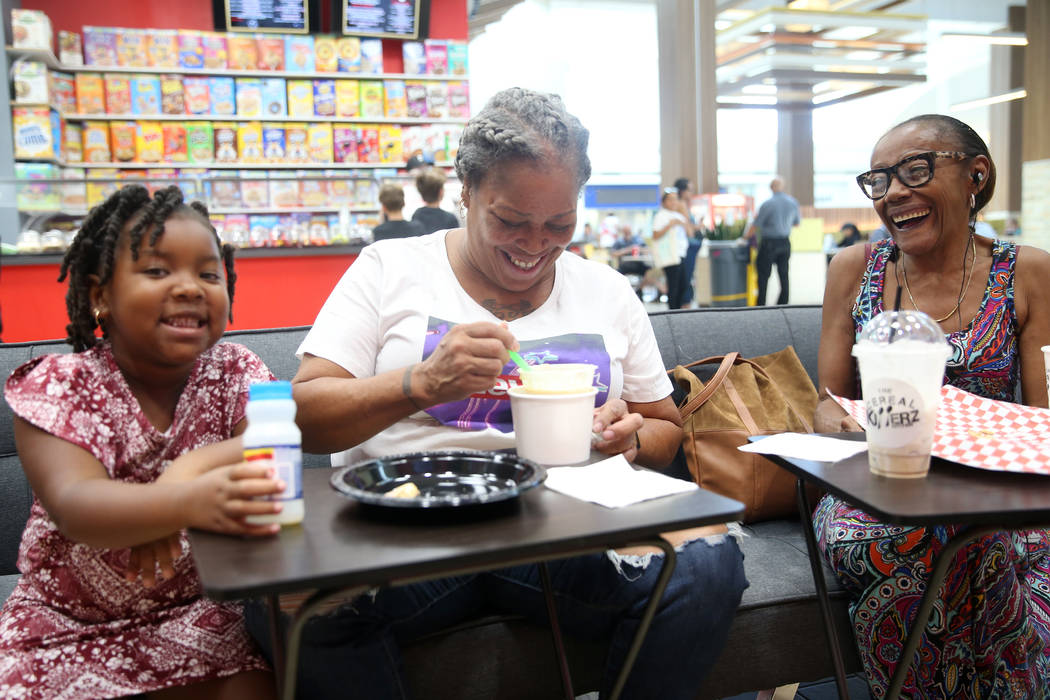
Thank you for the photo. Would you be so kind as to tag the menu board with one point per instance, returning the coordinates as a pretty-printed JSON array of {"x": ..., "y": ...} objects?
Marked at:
[
  {"x": 398, "y": 19},
  {"x": 285, "y": 16}
]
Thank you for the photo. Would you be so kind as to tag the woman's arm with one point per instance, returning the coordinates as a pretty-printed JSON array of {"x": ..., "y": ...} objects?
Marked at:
[
  {"x": 835, "y": 364},
  {"x": 646, "y": 433},
  {"x": 1032, "y": 305}
]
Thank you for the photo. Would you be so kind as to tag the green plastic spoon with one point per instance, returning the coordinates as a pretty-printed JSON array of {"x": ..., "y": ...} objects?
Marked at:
[{"x": 518, "y": 359}]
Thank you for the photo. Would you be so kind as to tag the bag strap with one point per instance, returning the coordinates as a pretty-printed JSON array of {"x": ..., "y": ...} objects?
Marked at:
[
  {"x": 712, "y": 385},
  {"x": 741, "y": 408}
]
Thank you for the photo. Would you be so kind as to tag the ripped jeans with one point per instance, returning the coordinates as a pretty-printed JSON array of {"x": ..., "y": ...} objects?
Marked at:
[{"x": 355, "y": 649}]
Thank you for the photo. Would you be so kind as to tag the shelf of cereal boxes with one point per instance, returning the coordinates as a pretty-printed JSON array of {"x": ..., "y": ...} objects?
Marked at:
[{"x": 256, "y": 118}]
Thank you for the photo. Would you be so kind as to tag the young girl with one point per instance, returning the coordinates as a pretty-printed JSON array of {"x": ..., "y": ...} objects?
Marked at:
[{"x": 124, "y": 443}]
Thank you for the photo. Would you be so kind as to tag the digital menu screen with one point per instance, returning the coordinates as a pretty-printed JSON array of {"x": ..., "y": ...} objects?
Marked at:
[
  {"x": 285, "y": 16},
  {"x": 398, "y": 19}
]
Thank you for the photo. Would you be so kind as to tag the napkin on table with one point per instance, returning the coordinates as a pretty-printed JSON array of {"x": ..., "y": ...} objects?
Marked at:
[
  {"x": 614, "y": 483},
  {"x": 805, "y": 446}
]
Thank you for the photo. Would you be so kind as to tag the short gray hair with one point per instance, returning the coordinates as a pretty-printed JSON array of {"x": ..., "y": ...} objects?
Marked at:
[{"x": 521, "y": 124}]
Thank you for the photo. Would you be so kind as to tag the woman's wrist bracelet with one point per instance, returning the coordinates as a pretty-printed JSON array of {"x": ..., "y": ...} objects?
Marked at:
[
  {"x": 406, "y": 386},
  {"x": 637, "y": 442}
]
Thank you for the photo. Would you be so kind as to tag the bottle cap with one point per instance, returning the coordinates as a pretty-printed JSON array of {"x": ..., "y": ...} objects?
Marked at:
[
  {"x": 909, "y": 324},
  {"x": 270, "y": 391}
]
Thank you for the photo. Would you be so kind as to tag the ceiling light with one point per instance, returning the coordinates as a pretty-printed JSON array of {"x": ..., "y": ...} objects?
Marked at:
[
  {"x": 995, "y": 99},
  {"x": 997, "y": 39}
]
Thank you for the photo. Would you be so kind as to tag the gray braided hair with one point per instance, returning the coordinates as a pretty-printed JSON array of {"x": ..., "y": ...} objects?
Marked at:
[{"x": 517, "y": 123}]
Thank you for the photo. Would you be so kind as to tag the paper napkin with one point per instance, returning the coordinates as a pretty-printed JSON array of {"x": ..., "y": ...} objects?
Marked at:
[
  {"x": 804, "y": 446},
  {"x": 614, "y": 483}
]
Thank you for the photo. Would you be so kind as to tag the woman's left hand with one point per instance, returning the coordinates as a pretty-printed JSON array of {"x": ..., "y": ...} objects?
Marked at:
[
  {"x": 615, "y": 429},
  {"x": 146, "y": 559}
]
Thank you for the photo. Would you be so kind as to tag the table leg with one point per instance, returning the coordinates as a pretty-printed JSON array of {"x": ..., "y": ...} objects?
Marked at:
[
  {"x": 559, "y": 642},
  {"x": 277, "y": 640},
  {"x": 805, "y": 512}
]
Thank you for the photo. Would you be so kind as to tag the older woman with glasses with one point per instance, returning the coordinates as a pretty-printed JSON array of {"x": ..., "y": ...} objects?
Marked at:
[{"x": 990, "y": 632}]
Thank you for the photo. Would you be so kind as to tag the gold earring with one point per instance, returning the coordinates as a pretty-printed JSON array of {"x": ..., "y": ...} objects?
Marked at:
[{"x": 98, "y": 317}]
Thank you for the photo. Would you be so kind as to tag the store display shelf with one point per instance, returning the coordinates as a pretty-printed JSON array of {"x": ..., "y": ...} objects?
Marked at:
[
  {"x": 222, "y": 166},
  {"x": 76, "y": 213},
  {"x": 55, "y": 257},
  {"x": 32, "y": 105},
  {"x": 261, "y": 118}
]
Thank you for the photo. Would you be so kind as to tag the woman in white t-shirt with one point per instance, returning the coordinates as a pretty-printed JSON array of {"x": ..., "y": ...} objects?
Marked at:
[
  {"x": 410, "y": 353},
  {"x": 668, "y": 245}
]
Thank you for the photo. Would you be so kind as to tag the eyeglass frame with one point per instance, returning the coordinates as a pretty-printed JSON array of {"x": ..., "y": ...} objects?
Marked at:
[{"x": 891, "y": 172}]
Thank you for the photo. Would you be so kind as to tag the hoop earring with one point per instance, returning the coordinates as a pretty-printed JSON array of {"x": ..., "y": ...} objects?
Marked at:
[
  {"x": 973, "y": 201},
  {"x": 98, "y": 317}
]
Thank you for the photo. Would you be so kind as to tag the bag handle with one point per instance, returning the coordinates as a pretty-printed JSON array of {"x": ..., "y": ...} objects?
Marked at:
[{"x": 712, "y": 385}]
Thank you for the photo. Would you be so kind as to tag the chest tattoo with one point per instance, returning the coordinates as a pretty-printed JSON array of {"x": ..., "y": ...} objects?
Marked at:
[{"x": 507, "y": 312}]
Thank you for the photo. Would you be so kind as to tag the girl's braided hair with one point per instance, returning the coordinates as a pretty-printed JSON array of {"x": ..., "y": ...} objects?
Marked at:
[
  {"x": 92, "y": 253},
  {"x": 517, "y": 123}
]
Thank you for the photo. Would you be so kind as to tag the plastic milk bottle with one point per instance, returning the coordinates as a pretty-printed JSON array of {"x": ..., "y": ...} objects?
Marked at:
[{"x": 272, "y": 434}]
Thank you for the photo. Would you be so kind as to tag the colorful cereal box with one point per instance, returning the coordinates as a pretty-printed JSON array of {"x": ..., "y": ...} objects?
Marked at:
[
  {"x": 458, "y": 100},
  {"x": 372, "y": 56},
  {"x": 30, "y": 82},
  {"x": 176, "y": 150},
  {"x": 273, "y": 143},
  {"x": 299, "y": 54},
  {"x": 319, "y": 142},
  {"x": 457, "y": 58},
  {"x": 414, "y": 57},
  {"x": 274, "y": 97},
  {"x": 340, "y": 191},
  {"x": 100, "y": 46},
  {"x": 225, "y": 142},
  {"x": 118, "y": 93},
  {"x": 196, "y": 93},
  {"x": 96, "y": 142},
  {"x": 191, "y": 49},
  {"x": 371, "y": 98},
  {"x": 390, "y": 144},
  {"x": 368, "y": 144},
  {"x": 241, "y": 51},
  {"x": 172, "y": 99},
  {"x": 200, "y": 144},
  {"x": 366, "y": 192},
  {"x": 261, "y": 228},
  {"x": 415, "y": 99},
  {"x": 295, "y": 143},
  {"x": 159, "y": 178},
  {"x": 347, "y": 98},
  {"x": 270, "y": 51},
  {"x": 284, "y": 189},
  {"x": 344, "y": 144},
  {"x": 436, "y": 51},
  {"x": 300, "y": 98},
  {"x": 255, "y": 191},
  {"x": 250, "y": 142},
  {"x": 162, "y": 48},
  {"x": 98, "y": 192},
  {"x": 249, "y": 97},
  {"x": 150, "y": 142},
  {"x": 74, "y": 195},
  {"x": 70, "y": 50},
  {"x": 73, "y": 143},
  {"x": 37, "y": 196},
  {"x": 437, "y": 100},
  {"x": 436, "y": 142},
  {"x": 222, "y": 92},
  {"x": 235, "y": 230},
  {"x": 34, "y": 133},
  {"x": 325, "y": 58},
  {"x": 30, "y": 29},
  {"x": 63, "y": 92},
  {"x": 348, "y": 54},
  {"x": 131, "y": 48},
  {"x": 324, "y": 98},
  {"x": 122, "y": 140},
  {"x": 91, "y": 93},
  {"x": 313, "y": 193},
  {"x": 145, "y": 94},
  {"x": 394, "y": 103},
  {"x": 215, "y": 56},
  {"x": 225, "y": 192}
]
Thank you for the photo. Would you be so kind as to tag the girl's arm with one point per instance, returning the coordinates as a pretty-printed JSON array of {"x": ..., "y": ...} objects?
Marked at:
[
  {"x": 91, "y": 508},
  {"x": 1032, "y": 304},
  {"x": 835, "y": 364}
]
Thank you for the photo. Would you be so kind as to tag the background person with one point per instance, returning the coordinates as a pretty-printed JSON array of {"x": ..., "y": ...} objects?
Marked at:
[
  {"x": 694, "y": 242},
  {"x": 410, "y": 353},
  {"x": 930, "y": 177},
  {"x": 431, "y": 217},
  {"x": 774, "y": 220},
  {"x": 669, "y": 244},
  {"x": 392, "y": 202}
]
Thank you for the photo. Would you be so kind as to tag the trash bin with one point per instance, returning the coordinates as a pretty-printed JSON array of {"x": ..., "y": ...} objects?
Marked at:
[{"x": 729, "y": 261}]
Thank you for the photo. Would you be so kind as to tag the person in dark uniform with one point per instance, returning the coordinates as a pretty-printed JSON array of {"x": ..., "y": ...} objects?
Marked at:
[{"x": 392, "y": 200}]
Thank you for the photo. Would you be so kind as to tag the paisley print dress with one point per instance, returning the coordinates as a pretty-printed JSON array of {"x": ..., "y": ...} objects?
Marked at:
[
  {"x": 989, "y": 633},
  {"x": 74, "y": 627}
]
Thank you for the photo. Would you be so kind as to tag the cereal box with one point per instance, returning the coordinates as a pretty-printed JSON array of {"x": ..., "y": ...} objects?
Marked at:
[
  {"x": 241, "y": 51},
  {"x": 70, "y": 50},
  {"x": 176, "y": 150},
  {"x": 225, "y": 191},
  {"x": 347, "y": 98},
  {"x": 91, "y": 95},
  {"x": 122, "y": 139},
  {"x": 235, "y": 230},
  {"x": 150, "y": 142},
  {"x": 36, "y": 196},
  {"x": 412, "y": 138},
  {"x": 118, "y": 93},
  {"x": 249, "y": 97},
  {"x": 191, "y": 49},
  {"x": 159, "y": 178},
  {"x": 390, "y": 144},
  {"x": 196, "y": 93},
  {"x": 215, "y": 56},
  {"x": 162, "y": 49},
  {"x": 131, "y": 48},
  {"x": 63, "y": 92},
  {"x": 74, "y": 195},
  {"x": 273, "y": 143},
  {"x": 274, "y": 97},
  {"x": 348, "y": 54},
  {"x": 188, "y": 183},
  {"x": 300, "y": 98},
  {"x": 340, "y": 191},
  {"x": 98, "y": 192},
  {"x": 325, "y": 58},
  {"x": 295, "y": 143},
  {"x": 313, "y": 193},
  {"x": 435, "y": 142},
  {"x": 319, "y": 142},
  {"x": 372, "y": 56},
  {"x": 394, "y": 104},
  {"x": 100, "y": 46},
  {"x": 250, "y": 142},
  {"x": 222, "y": 93},
  {"x": 270, "y": 49},
  {"x": 30, "y": 29},
  {"x": 415, "y": 99},
  {"x": 299, "y": 53},
  {"x": 437, "y": 100},
  {"x": 344, "y": 144},
  {"x": 30, "y": 82},
  {"x": 436, "y": 51},
  {"x": 366, "y": 192},
  {"x": 457, "y": 58},
  {"x": 255, "y": 191},
  {"x": 145, "y": 94},
  {"x": 73, "y": 143},
  {"x": 261, "y": 228},
  {"x": 225, "y": 142},
  {"x": 96, "y": 142},
  {"x": 371, "y": 98},
  {"x": 284, "y": 189},
  {"x": 452, "y": 135},
  {"x": 414, "y": 57},
  {"x": 458, "y": 100},
  {"x": 172, "y": 99},
  {"x": 368, "y": 144},
  {"x": 200, "y": 144},
  {"x": 324, "y": 98}
]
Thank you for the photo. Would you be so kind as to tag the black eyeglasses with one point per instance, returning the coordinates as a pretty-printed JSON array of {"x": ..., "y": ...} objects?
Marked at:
[{"x": 913, "y": 171}]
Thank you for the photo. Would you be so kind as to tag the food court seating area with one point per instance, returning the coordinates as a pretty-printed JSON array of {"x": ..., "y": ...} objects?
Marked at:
[{"x": 777, "y": 637}]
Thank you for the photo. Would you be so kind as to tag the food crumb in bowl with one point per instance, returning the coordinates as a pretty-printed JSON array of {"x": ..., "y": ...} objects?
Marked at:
[{"x": 406, "y": 490}]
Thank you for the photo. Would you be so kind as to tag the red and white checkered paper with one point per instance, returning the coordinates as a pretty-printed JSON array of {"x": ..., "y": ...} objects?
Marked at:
[{"x": 983, "y": 433}]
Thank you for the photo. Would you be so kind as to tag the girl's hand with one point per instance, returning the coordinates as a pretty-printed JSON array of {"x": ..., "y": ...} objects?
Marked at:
[
  {"x": 616, "y": 429},
  {"x": 219, "y": 500},
  {"x": 146, "y": 559},
  {"x": 469, "y": 359}
]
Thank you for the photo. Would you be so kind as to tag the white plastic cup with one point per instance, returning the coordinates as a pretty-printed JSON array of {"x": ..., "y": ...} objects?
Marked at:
[
  {"x": 553, "y": 429},
  {"x": 1046, "y": 365}
]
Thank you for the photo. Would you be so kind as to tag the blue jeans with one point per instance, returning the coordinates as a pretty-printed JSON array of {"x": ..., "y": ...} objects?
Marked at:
[{"x": 356, "y": 648}]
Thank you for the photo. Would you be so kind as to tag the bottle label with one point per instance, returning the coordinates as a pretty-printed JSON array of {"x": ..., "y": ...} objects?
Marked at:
[{"x": 288, "y": 466}]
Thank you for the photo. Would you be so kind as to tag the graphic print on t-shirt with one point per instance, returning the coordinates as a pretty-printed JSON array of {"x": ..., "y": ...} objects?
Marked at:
[{"x": 492, "y": 409}]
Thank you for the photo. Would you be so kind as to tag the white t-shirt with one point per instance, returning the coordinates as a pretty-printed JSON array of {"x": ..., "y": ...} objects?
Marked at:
[
  {"x": 397, "y": 300},
  {"x": 670, "y": 248}
]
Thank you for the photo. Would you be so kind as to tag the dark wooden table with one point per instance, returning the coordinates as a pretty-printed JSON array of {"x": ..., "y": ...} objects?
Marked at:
[
  {"x": 343, "y": 545},
  {"x": 983, "y": 501}
]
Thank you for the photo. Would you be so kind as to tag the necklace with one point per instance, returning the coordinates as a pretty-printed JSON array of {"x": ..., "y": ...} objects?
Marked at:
[{"x": 962, "y": 293}]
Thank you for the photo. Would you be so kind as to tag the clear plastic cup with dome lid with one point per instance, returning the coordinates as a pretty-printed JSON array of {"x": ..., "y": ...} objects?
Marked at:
[{"x": 901, "y": 357}]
